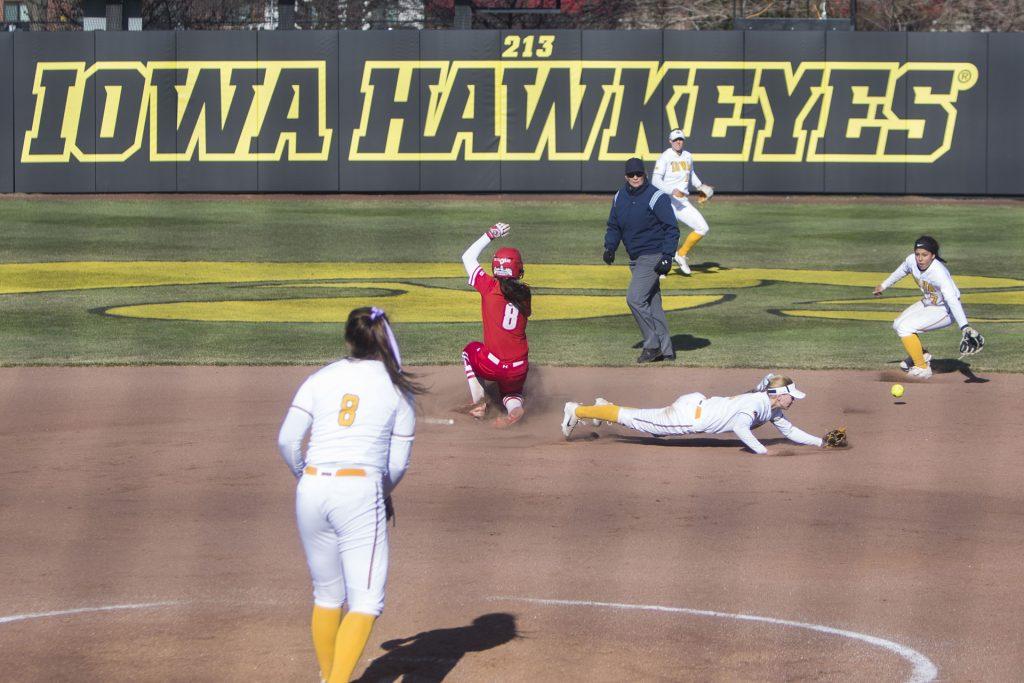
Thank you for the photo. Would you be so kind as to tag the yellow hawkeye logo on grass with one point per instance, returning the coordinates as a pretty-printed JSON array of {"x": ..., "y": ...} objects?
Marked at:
[{"x": 324, "y": 292}]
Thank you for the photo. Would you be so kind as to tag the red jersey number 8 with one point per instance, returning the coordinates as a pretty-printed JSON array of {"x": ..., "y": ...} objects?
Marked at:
[{"x": 511, "y": 317}]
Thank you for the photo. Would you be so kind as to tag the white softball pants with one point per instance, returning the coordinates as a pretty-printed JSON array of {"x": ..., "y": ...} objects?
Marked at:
[
  {"x": 920, "y": 318},
  {"x": 689, "y": 215},
  {"x": 678, "y": 418},
  {"x": 344, "y": 533}
]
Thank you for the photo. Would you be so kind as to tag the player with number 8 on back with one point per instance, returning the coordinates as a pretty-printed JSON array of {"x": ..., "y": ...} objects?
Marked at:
[
  {"x": 504, "y": 308},
  {"x": 360, "y": 417}
]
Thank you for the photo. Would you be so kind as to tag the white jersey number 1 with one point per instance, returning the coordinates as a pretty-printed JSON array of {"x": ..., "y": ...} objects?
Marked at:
[{"x": 511, "y": 317}]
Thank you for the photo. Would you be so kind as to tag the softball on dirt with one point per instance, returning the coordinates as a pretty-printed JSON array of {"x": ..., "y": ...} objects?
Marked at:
[{"x": 897, "y": 390}]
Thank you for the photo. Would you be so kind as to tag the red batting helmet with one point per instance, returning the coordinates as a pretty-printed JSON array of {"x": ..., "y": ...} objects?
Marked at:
[{"x": 507, "y": 263}]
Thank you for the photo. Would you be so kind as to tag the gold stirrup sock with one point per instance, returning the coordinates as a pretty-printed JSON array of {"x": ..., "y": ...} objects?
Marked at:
[
  {"x": 608, "y": 413},
  {"x": 324, "y": 626},
  {"x": 913, "y": 346},
  {"x": 352, "y": 636},
  {"x": 691, "y": 240}
]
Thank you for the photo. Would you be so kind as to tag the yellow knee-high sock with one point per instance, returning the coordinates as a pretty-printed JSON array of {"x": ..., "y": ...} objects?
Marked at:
[
  {"x": 608, "y": 412},
  {"x": 324, "y": 626},
  {"x": 691, "y": 240},
  {"x": 913, "y": 346},
  {"x": 352, "y": 636}
]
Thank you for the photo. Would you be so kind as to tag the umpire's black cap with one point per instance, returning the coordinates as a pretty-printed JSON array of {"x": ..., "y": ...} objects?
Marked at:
[{"x": 634, "y": 165}]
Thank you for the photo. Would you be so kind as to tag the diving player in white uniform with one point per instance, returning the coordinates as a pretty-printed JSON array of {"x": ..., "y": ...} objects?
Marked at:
[
  {"x": 674, "y": 175},
  {"x": 939, "y": 305},
  {"x": 696, "y": 413},
  {"x": 360, "y": 417}
]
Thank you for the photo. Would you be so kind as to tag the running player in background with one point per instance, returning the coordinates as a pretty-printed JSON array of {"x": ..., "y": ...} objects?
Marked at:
[
  {"x": 696, "y": 414},
  {"x": 674, "y": 175},
  {"x": 360, "y": 417},
  {"x": 504, "y": 309},
  {"x": 939, "y": 305}
]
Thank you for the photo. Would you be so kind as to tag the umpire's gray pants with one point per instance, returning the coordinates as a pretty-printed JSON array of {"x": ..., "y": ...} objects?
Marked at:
[{"x": 644, "y": 299}]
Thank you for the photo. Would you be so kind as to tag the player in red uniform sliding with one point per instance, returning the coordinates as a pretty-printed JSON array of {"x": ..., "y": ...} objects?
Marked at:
[{"x": 504, "y": 308}]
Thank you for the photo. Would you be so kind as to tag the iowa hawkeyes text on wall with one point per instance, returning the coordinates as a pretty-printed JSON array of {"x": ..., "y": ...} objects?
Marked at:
[{"x": 248, "y": 111}]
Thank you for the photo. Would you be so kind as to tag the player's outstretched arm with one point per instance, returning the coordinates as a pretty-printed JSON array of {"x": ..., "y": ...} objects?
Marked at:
[
  {"x": 742, "y": 430},
  {"x": 470, "y": 257},
  {"x": 795, "y": 434},
  {"x": 901, "y": 272}
]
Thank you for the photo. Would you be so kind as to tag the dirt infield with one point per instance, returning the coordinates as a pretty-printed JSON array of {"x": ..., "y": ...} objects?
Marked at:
[{"x": 148, "y": 535}]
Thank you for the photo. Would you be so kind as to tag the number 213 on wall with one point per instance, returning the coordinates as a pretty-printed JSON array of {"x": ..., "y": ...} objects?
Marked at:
[{"x": 528, "y": 46}]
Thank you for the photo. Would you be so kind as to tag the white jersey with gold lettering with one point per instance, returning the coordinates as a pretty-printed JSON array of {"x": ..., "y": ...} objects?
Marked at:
[
  {"x": 696, "y": 413},
  {"x": 675, "y": 172},
  {"x": 360, "y": 428},
  {"x": 355, "y": 410},
  {"x": 937, "y": 289}
]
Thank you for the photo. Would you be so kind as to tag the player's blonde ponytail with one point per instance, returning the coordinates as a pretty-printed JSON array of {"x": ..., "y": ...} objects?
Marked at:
[{"x": 369, "y": 336}]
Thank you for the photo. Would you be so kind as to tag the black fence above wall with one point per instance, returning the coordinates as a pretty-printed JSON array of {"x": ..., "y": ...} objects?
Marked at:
[{"x": 521, "y": 111}]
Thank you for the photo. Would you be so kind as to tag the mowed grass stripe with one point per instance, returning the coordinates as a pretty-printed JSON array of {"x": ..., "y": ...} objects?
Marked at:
[{"x": 427, "y": 235}]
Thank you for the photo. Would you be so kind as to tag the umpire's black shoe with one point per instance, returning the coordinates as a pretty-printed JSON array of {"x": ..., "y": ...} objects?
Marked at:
[
  {"x": 650, "y": 356},
  {"x": 669, "y": 357}
]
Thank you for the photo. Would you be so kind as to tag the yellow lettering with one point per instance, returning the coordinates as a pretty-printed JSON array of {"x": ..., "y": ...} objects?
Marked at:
[
  {"x": 608, "y": 137},
  {"x": 566, "y": 110},
  {"x": 220, "y": 125}
]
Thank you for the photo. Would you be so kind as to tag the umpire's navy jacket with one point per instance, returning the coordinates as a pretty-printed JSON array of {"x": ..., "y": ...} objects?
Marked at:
[{"x": 643, "y": 220}]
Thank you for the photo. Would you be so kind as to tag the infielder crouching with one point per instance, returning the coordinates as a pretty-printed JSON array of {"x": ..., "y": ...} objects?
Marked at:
[
  {"x": 939, "y": 307},
  {"x": 695, "y": 413},
  {"x": 360, "y": 418}
]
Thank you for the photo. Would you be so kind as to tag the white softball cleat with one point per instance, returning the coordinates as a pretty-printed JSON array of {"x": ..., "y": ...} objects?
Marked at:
[
  {"x": 684, "y": 268},
  {"x": 919, "y": 373},
  {"x": 600, "y": 402},
  {"x": 908, "y": 362},
  {"x": 569, "y": 419}
]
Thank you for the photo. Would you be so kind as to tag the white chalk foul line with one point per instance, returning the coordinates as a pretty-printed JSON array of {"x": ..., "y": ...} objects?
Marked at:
[
  {"x": 82, "y": 610},
  {"x": 923, "y": 668}
]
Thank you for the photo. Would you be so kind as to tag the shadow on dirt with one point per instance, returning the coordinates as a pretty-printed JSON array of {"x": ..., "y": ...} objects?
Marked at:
[
  {"x": 432, "y": 655},
  {"x": 940, "y": 366},
  {"x": 944, "y": 366},
  {"x": 695, "y": 442}
]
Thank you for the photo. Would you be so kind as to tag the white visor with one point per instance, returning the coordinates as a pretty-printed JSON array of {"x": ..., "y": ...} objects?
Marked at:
[
  {"x": 788, "y": 389},
  {"x": 676, "y": 135}
]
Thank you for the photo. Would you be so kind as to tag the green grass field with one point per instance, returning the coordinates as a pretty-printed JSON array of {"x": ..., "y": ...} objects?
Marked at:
[{"x": 864, "y": 239}]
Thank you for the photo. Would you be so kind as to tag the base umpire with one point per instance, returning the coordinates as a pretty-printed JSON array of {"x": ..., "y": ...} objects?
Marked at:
[{"x": 642, "y": 219}]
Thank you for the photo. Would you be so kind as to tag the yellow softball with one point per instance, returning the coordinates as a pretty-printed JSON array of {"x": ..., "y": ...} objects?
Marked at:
[{"x": 897, "y": 390}]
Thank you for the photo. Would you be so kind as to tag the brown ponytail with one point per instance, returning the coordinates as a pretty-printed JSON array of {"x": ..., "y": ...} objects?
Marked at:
[
  {"x": 517, "y": 293},
  {"x": 367, "y": 334}
]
